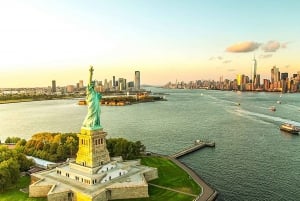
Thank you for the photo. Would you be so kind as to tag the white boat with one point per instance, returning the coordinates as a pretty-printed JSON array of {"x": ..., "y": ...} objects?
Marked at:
[{"x": 290, "y": 128}]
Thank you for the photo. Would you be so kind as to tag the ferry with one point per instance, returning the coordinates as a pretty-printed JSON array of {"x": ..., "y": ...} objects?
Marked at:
[{"x": 290, "y": 128}]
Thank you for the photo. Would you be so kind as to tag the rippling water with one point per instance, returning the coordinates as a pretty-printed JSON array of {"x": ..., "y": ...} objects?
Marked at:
[{"x": 252, "y": 160}]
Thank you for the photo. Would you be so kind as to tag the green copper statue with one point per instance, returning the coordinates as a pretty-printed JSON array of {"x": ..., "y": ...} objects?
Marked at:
[{"x": 92, "y": 119}]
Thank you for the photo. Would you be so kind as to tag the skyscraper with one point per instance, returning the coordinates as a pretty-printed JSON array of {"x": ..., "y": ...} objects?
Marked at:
[
  {"x": 254, "y": 84},
  {"x": 53, "y": 89},
  {"x": 137, "y": 80},
  {"x": 80, "y": 83},
  {"x": 114, "y": 81},
  {"x": 275, "y": 75}
]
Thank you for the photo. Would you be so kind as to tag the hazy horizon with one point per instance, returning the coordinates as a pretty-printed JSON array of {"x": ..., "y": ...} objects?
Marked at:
[{"x": 41, "y": 41}]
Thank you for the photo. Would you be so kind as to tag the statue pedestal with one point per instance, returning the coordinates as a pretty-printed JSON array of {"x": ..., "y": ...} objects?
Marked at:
[{"x": 92, "y": 152}]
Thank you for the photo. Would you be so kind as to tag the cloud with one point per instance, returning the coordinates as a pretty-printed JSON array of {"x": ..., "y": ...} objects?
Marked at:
[
  {"x": 272, "y": 46},
  {"x": 216, "y": 58},
  {"x": 247, "y": 46},
  {"x": 231, "y": 70},
  {"x": 287, "y": 66},
  {"x": 226, "y": 61},
  {"x": 283, "y": 45},
  {"x": 264, "y": 56}
]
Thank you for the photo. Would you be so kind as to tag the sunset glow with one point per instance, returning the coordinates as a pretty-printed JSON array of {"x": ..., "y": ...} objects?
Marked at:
[{"x": 42, "y": 41}]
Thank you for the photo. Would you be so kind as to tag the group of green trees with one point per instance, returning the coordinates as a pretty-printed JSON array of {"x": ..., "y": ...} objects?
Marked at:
[
  {"x": 57, "y": 147},
  {"x": 50, "y": 146},
  {"x": 12, "y": 163},
  {"x": 36, "y": 97},
  {"x": 127, "y": 149}
]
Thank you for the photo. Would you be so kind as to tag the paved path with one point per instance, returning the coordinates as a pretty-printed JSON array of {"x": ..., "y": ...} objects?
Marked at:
[
  {"x": 208, "y": 193},
  {"x": 170, "y": 189}
]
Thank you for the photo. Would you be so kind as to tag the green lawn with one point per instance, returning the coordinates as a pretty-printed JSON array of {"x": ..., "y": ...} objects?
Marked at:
[
  {"x": 14, "y": 194},
  {"x": 170, "y": 175}
]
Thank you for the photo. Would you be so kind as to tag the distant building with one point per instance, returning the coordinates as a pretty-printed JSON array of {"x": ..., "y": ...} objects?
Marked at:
[
  {"x": 257, "y": 81},
  {"x": 275, "y": 75},
  {"x": 254, "y": 79},
  {"x": 284, "y": 76},
  {"x": 131, "y": 85},
  {"x": 122, "y": 84},
  {"x": 266, "y": 84},
  {"x": 70, "y": 89},
  {"x": 53, "y": 89},
  {"x": 114, "y": 81},
  {"x": 240, "y": 82},
  {"x": 137, "y": 80},
  {"x": 80, "y": 83}
]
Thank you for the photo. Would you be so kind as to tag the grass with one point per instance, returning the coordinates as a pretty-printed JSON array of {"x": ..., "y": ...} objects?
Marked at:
[
  {"x": 171, "y": 176},
  {"x": 14, "y": 194}
]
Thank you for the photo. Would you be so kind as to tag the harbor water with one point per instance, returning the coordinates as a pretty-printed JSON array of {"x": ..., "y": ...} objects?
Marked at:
[{"x": 252, "y": 160}]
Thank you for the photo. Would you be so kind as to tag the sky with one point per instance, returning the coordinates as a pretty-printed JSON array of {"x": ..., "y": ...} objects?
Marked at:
[{"x": 166, "y": 40}]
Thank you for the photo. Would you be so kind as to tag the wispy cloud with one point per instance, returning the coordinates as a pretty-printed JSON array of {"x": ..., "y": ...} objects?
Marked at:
[
  {"x": 231, "y": 70},
  {"x": 271, "y": 46},
  {"x": 226, "y": 61},
  {"x": 247, "y": 46},
  {"x": 216, "y": 58},
  {"x": 265, "y": 56}
]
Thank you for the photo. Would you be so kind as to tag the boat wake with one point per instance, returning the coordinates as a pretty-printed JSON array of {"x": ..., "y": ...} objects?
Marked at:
[{"x": 263, "y": 117}]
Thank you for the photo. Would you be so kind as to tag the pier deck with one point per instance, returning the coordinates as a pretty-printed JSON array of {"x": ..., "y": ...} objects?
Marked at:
[{"x": 198, "y": 145}]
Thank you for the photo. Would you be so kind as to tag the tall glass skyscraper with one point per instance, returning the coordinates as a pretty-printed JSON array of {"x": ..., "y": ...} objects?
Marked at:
[
  {"x": 254, "y": 84},
  {"x": 275, "y": 74},
  {"x": 53, "y": 89},
  {"x": 137, "y": 80}
]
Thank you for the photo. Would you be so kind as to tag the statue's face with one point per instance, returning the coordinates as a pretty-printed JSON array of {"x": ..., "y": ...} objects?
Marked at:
[{"x": 93, "y": 83}]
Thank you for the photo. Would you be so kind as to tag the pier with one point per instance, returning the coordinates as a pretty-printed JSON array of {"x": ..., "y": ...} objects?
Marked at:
[
  {"x": 199, "y": 144},
  {"x": 208, "y": 193}
]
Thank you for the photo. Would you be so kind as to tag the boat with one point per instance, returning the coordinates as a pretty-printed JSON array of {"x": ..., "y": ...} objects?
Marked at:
[
  {"x": 273, "y": 108},
  {"x": 82, "y": 102},
  {"x": 290, "y": 128}
]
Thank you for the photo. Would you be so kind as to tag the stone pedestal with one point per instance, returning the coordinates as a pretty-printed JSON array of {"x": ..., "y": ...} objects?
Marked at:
[{"x": 92, "y": 150}]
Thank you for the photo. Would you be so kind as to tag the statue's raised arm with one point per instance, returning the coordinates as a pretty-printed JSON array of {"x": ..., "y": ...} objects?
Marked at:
[{"x": 91, "y": 74}]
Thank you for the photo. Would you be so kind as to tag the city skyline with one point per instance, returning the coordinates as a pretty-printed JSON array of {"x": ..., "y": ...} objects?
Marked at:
[{"x": 191, "y": 40}]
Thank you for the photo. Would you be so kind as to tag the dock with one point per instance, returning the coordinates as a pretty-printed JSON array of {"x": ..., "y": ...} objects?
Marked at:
[
  {"x": 199, "y": 144},
  {"x": 208, "y": 193}
]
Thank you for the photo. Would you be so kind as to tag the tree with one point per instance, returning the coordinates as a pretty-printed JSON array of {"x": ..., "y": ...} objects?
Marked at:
[{"x": 124, "y": 148}]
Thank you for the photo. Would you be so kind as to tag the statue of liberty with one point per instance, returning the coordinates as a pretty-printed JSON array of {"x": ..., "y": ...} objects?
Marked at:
[{"x": 92, "y": 119}]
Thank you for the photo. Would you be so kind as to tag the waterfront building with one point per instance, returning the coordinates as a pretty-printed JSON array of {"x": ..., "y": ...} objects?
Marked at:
[
  {"x": 93, "y": 175},
  {"x": 275, "y": 75},
  {"x": 106, "y": 87},
  {"x": 53, "y": 89},
  {"x": 122, "y": 84},
  {"x": 266, "y": 84},
  {"x": 284, "y": 76},
  {"x": 70, "y": 89},
  {"x": 240, "y": 81},
  {"x": 114, "y": 81},
  {"x": 131, "y": 85},
  {"x": 137, "y": 80},
  {"x": 80, "y": 83}
]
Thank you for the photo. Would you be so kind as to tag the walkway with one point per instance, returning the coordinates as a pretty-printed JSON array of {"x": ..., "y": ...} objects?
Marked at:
[{"x": 170, "y": 189}]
